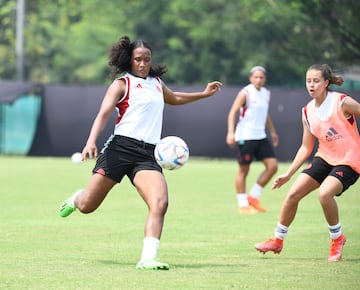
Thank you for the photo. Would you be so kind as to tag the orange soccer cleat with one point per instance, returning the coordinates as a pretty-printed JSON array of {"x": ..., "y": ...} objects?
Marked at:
[
  {"x": 247, "y": 210},
  {"x": 255, "y": 202},
  {"x": 273, "y": 244},
  {"x": 336, "y": 248}
]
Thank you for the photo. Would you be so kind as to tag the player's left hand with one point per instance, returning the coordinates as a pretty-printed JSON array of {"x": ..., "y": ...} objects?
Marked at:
[{"x": 213, "y": 88}]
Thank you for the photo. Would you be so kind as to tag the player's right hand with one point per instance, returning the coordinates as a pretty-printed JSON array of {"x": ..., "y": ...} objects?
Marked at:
[
  {"x": 90, "y": 150},
  {"x": 280, "y": 180},
  {"x": 230, "y": 140}
]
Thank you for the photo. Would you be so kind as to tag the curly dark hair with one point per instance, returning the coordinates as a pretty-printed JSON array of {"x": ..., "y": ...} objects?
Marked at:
[{"x": 120, "y": 57}]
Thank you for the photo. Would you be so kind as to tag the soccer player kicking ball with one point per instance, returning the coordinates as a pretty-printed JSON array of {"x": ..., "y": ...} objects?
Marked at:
[
  {"x": 329, "y": 117},
  {"x": 138, "y": 95}
]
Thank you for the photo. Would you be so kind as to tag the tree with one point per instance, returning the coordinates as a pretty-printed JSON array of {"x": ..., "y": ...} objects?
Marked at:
[
  {"x": 67, "y": 41},
  {"x": 7, "y": 39}
]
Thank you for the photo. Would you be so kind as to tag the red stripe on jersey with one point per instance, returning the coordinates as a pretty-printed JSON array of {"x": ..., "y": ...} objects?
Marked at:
[
  {"x": 305, "y": 113},
  {"x": 306, "y": 117},
  {"x": 351, "y": 119},
  {"x": 124, "y": 104},
  {"x": 245, "y": 106},
  {"x": 243, "y": 111}
]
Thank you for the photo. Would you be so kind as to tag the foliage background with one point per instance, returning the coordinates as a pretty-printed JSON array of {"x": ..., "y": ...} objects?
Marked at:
[{"x": 67, "y": 41}]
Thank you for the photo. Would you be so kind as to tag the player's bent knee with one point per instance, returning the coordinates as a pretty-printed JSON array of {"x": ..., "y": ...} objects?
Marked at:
[
  {"x": 294, "y": 197},
  {"x": 161, "y": 206},
  {"x": 84, "y": 207},
  {"x": 324, "y": 197},
  {"x": 273, "y": 169}
]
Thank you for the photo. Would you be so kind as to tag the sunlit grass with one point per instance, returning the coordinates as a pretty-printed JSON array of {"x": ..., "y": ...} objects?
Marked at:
[{"x": 206, "y": 242}]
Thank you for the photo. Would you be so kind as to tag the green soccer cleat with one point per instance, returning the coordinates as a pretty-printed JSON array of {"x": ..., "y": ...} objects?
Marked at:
[
  {"x": 152, "y": 265},
  {"x": 67, "y": 207}
]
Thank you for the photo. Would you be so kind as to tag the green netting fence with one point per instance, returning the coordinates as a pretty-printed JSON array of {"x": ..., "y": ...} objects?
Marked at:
[{"x": 18, "y": 122}]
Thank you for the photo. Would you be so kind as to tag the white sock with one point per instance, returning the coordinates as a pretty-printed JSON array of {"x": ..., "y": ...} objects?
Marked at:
[
  {"x": 256, "y": 190},
  {"x": 72, "y": 198},
  {"x": 335, "y": 231},
  {"x": 281, "y": 231},
  {"x": 150, "y": 248},
  {"x": 242, "y": 200}
]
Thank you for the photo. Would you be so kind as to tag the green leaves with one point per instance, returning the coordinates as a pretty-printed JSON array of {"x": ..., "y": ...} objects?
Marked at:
[{"x": 67, "y": 41}]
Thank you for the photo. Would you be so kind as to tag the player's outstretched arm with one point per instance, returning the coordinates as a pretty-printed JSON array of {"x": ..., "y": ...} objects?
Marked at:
[
  {"x": 303, "y": 153},
  {"x": 181, "y": 98}
]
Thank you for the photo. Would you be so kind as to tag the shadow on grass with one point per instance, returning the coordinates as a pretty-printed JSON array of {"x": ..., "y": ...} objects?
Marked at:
[
  {"x": 113, "y": 262},
  {"x": 244, "y": 263},
  {"x": 180, "y": 266},
  {"x": 288, "y": 259}
]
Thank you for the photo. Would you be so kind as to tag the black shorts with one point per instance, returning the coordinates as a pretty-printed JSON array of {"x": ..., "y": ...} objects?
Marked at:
[
  {"x": 258, "y": 149},
  {"x": 319, "y": 169},
  {"x": 125, "y": 156}
]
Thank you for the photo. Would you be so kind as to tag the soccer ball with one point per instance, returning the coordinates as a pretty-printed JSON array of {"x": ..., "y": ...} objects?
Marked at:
[
  {"x": 171, "y": 152},
  {"x": 76, "y": 158}
]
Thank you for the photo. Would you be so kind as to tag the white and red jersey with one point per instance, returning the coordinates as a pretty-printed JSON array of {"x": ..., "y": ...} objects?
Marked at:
[
  {"x": 140, "y": 110},
  {"x": 252, "y": 117},
  {"x": 338, "y": 136}
]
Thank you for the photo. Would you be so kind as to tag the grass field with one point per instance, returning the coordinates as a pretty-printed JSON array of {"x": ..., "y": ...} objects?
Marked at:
[{"x": 206, "y": 242}]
